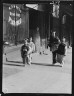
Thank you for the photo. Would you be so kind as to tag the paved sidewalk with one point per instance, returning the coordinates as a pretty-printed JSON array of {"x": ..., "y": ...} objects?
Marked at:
[
  {"x": 45, "y": 58},
  {"x": 36, "y": 78},
  {"x": 9, "y": 49},
  {"x": 14, "y": 48}
]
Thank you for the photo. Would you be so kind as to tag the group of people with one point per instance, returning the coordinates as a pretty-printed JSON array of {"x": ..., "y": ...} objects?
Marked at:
[
  {"x": 26, "y": 51},
  {"x": 57, "y": 47}
]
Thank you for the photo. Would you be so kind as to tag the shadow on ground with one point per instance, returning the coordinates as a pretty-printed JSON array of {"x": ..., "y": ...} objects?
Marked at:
[
  {"x": 46, "y": 64},
  {"x": 18, "y": 63},
  {"x": 14, "y": 63}
]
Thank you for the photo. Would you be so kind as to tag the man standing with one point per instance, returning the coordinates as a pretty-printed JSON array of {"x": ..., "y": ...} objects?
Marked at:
[{"x": 54, "y": 43}]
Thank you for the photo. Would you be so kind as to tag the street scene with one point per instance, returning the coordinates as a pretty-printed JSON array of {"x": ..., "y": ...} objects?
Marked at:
[{"x": 44, "y": 31}]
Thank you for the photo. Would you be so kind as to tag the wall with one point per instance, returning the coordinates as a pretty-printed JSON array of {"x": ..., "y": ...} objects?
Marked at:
[
  {"x": 21, "y": 31},
  {"x": 66, "y": 27},
  {"x": 41, "y": 20}
]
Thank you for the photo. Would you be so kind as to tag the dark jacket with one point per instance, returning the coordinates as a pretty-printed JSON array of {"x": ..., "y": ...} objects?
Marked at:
[
  {"x": 54, "y": 42},
  {"x": 61, "y": 49},
  {"x": 24, "y": 50}
]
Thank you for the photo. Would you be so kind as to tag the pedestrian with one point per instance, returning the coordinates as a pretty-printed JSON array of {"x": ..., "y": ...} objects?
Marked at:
[
  {"x": 54, "y": 42},
  {"x": 61, "y": 52},
  {"x": 32, "y": 46},
  {"x": 25, "y": 51}
]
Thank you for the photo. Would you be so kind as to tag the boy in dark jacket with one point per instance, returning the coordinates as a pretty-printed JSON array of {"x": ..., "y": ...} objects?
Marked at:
[
  {"x": 25, "y": 51},
  {"x": 61, "y": 52}
]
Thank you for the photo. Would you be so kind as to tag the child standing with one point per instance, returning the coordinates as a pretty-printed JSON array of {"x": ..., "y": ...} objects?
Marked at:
[
  {"x": 61, "y": 52},
  {"x": 25, "y": 51},
  {"x": 32, "y": 46}
]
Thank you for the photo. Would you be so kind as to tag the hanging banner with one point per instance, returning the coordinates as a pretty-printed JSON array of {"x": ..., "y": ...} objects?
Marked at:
[
  {"x": 14, "y": 15},
  {"x": 55, "y": 10},
  {"x": 64, "y": 19}
]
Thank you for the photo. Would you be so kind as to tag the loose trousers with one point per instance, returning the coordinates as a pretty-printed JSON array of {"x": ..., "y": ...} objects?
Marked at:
[
  {"x": 60, "y": 58},
  {"x": 54, "y": 56},
  {"x": 25, "y": 59}
]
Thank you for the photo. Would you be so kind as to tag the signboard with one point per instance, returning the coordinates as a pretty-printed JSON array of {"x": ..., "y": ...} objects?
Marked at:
[
  {"x": 55, "y": 10},
  {"x": 34, "y": 6},
  {"x": 14, "y": 15}
]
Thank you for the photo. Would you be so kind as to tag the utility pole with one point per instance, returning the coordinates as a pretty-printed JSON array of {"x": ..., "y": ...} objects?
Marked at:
[{"x": 15, "y": 28}]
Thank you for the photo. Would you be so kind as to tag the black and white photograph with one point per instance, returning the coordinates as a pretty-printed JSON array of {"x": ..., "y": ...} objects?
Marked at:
[{"x": 37, "y": 47}]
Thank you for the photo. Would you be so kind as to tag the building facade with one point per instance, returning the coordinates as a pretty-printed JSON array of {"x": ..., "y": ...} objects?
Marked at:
[
  {"x": 15, "y": 26},
  {"x": 65, "y": 21},
  {"x": 20, "y": 22}
]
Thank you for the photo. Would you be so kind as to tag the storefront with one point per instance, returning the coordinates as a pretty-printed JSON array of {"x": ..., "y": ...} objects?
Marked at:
[
  {"x": 15, "y": 23},
  {"x": 21, "y": 21},
  {"x": 65, "y": 20},
  {"x": 39, "y": 25}
]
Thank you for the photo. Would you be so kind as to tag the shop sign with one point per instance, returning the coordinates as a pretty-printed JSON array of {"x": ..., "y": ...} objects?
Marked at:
[{"x": 14, "y": 15}]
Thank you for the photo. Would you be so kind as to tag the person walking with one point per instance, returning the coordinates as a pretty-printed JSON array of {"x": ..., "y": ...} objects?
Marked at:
[
  {"x": 53, "y": 44},
  {"x": 25, "y": 51}
]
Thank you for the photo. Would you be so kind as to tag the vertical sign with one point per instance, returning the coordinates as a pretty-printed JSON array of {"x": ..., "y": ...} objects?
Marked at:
[
  {"x": 12, "y": 15},
  {"x": 56, "y": 10}
]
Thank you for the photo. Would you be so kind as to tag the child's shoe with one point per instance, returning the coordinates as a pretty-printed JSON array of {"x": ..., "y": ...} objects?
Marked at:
[{"x": 62, "y": 63}]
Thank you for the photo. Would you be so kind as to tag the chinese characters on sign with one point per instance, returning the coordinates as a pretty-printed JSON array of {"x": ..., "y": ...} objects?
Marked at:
[
  {"x": 55, "y": 10},
  {"x": 14, "y": 15}
]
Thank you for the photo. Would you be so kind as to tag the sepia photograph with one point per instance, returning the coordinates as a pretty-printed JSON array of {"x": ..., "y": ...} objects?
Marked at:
[{"x": 37, "y": 47}]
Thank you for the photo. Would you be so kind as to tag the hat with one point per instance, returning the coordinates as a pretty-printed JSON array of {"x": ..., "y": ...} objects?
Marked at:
[
  {"x": 25, "y": 39},
  {"x": 54, "y": 32}
]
